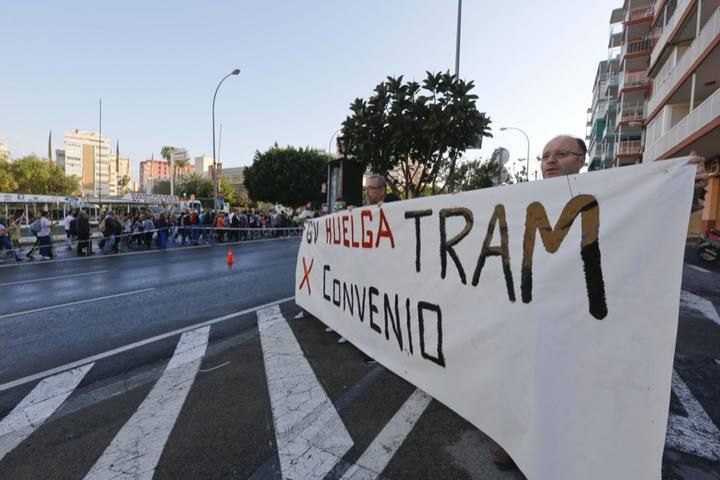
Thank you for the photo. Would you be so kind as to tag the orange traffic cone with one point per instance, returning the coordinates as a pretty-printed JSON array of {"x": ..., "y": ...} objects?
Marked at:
[{"x": 230, "y": 259}]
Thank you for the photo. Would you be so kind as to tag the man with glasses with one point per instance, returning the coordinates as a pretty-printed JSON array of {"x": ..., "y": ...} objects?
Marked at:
[
  {"x": 375, "y": 187},
  {"x": 565, "y": 155}
]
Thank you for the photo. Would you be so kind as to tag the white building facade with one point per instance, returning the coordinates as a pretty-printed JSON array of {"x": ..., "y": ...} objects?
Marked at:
[{"x": 87, "y": 156}]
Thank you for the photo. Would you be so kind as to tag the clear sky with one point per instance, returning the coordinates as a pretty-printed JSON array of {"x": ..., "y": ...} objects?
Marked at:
[{"x": 156, "y": 65}]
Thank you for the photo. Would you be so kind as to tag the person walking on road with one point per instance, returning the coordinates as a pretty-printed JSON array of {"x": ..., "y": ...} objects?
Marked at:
[
  {"x": 69, "y": 234},
  {"x": 5, "y": 242},
  {"x": 84, "y": 244},
  {"x": 162, "y": 231},
  {"x": 45, "y": 237}
]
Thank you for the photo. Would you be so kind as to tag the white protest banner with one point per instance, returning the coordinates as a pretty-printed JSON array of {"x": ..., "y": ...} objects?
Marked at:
[{"x": 545, "y": 313}]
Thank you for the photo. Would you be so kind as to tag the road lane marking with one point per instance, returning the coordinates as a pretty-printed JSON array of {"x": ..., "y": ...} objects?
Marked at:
[
  {"x": 311, "y": 437},
  {"x": 695, "y": 267},
  {"x": 37, "y": 406},
  {"x": 45, "y": 279},
  {"x": 80, "y": 302},
  {"x": 695, "y": 434},
  {"x": 131, "y": 346},
  {"x": 382, "y": 449},
  {"x": 136, "y": 449},
  {"x": 699, "y": 304}
]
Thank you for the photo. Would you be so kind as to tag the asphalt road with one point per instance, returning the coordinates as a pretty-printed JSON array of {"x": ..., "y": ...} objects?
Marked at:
[
  {"x": 154, "y": 292},
  {"x": 224, "y": 427}
]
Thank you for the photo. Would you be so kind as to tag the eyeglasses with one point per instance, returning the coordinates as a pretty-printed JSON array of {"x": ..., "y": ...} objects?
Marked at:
[
  {"x": 560, "y": 155},
  {"x": 373, "y": 188}
]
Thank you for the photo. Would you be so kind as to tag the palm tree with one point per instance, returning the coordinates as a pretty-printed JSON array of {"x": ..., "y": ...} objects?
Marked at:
[
  {"x": 180, "y": 164},
  {"x": 166, "y": 152}
]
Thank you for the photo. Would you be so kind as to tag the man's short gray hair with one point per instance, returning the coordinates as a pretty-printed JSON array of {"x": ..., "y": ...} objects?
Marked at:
[{"x": 379, "y": 178}]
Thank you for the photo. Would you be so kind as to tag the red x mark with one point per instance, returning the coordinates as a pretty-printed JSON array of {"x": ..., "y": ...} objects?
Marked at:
[{"x": 306, "y": 275}]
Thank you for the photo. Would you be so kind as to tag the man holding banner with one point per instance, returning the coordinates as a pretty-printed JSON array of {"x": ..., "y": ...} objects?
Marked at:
[
  {"x": 532, "y": 310},
  {"x": 565, "y": 155}
]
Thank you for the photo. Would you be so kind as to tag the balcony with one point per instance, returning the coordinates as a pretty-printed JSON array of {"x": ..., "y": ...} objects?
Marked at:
[
  {"x": 705, "y": 113},
  {"x": 632, "y": 113},
  {"x": 665, "y": 87},
  {"x": 644, "y": 13},
  {"x": 637, "y": 46},
  {"x": 629, "y": 147},
  {"x": 599, "y": 112},
  {"x": 634, "y": 79},
  {"x": 668, "y": 29}
]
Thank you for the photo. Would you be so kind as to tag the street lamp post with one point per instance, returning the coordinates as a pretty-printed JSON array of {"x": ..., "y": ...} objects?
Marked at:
[
  {"x": 527, "y": 172},
  {"x": 331, "y": 139},
  {"x": 215, "y": 172},
  {"x": 457, "y": 40}
]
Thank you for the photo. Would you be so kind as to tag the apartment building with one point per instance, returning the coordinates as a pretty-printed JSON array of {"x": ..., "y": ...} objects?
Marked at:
[
  {"x": 620, "y": 88},
  {"x": 668, "y": 83},
  {"x": 683, "y": 110},
  {"x": 87, "y": 156},
  {"x": 203, "y": 165},
  {"x": 236, "y": 176},
  {"x": 151, "y": 171}
]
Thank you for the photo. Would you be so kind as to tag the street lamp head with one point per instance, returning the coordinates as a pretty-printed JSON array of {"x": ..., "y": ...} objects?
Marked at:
[
  {"x": 236, "y": 71},
  {"x": 502, "y": 129}
]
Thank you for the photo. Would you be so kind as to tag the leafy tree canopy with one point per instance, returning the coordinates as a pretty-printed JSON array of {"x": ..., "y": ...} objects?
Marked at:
[
  {"x": 411, "y": 132},
  {"x": 31, "y": 174},
  {"x": 290, "y": 176}
]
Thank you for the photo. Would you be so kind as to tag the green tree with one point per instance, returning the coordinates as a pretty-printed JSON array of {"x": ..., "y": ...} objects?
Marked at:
[
  {"x": 474, "y": 174},
  {"x": 179, "y": 165},
  {"x": 161, "y": 187},
  {"x": 166, "y": 152},
  {"x": 33, "y": 175},
  {"x": 61, "y": 184},
  {"x": 7, "y": 181},
  {"x": 195, "y": 184},
  {"x": 290, "y": 176},
  {"x": 242, "y": 200},
  {"x": 124, "y": 182},
  {"x": 227, "y": 189},
  {"x": 416, "y": 131}
]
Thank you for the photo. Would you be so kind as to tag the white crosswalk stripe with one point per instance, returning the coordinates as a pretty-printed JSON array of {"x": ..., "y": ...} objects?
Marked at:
[
  {"x": 695, "y": 434},
  {"x": 37, "y": 407},
  {"x": 377, "y": 456},
  {"x": 699, "y": 304},
  {"x": 136, "y": 449},
  {"x": 310, "y": 435}
]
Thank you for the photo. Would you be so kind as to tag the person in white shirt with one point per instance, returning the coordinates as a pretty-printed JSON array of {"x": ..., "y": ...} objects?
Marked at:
[
  {"x": 45, "y": 237},
  {"x": 69, "y": 234}
]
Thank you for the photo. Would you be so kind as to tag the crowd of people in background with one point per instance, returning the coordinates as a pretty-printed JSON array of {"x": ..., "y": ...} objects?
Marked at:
[
  {"x": 143, "y": 229},
  {"x": 114, "y": 231}
]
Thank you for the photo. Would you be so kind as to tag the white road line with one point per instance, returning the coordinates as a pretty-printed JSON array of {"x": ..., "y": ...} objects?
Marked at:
[
  {"x": 37, "y": 407},
  {"x": 137, "y": 447},
  {"x": 700, "y": 304},
  {"x": 695, "y": 434},
  {"x": 700, "y": 269},
  {"x": 377, "y": 456},
  {"x": 125, "y": 348},
  {"x": 45, "y": 279},
  {"x": 80, "y": 302},
  {"x": 310, "y": 435}
]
